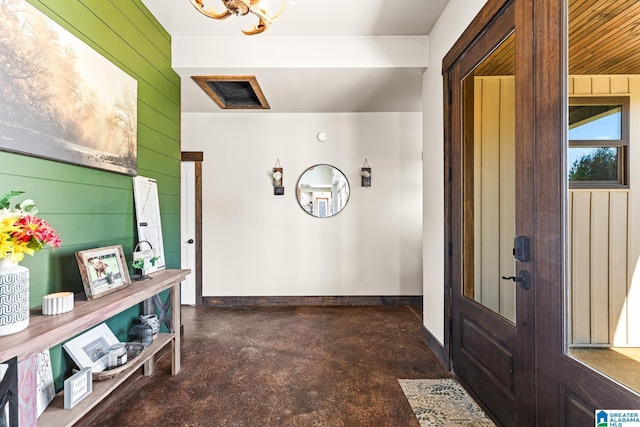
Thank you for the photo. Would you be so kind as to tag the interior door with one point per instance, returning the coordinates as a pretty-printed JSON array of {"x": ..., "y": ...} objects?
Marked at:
[
  {"x": 191, "y": 225},
  {"x": 188, "y": 232},
  {"x": 490, "y": 209}
]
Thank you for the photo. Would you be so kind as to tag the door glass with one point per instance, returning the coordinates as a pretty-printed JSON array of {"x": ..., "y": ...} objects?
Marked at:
[
  {"x": 489, "y": 180},
  {"x": 603, "y": 293}
]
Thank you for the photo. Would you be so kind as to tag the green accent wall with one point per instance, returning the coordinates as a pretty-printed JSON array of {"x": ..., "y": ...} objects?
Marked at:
[{"x": 93, "y": 208}]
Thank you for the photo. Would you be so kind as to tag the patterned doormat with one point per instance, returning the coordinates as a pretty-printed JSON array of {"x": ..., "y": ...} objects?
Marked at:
[{"x": 443, "y": 402}]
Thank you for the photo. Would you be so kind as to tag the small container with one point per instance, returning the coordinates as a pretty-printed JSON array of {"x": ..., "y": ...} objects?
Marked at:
[
  {"x": 117, "y": 355},
  {"x": 58, "y": 303},
  {"x": 146, "y": 334},
  {"x": 142, "y": 333},
  {"x": 152, "y": 321}
]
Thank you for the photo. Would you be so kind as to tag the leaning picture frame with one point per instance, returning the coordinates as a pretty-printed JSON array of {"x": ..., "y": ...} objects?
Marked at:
[
  {"x": 103, "y": 271},
  {"x": 91, "y": 349},
  {"x": 45, "y": 388},
  {"x": 77, "y": 387}
]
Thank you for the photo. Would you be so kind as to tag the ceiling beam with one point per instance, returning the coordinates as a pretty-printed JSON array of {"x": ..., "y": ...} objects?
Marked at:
[{"x": 301, "y": 52}]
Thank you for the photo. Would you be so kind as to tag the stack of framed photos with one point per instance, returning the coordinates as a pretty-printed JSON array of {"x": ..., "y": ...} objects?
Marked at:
[
  {"x": 90, "y": 352},
  {"x": 91, "y": 349}
]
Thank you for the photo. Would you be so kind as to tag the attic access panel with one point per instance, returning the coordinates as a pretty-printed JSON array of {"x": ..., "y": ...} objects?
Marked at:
[{"x": 233, "y": 92}]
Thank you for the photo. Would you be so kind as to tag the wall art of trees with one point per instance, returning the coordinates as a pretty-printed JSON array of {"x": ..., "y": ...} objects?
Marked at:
[{"x": 49, "y": 105}]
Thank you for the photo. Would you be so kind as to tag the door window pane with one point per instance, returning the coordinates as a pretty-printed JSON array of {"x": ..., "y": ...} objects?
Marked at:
[
  {"x": 595, "y": 122},
  {"x": 490, "y": 176}
]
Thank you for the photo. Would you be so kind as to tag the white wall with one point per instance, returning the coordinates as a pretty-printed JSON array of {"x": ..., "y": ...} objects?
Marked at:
[
  {"x": 258, "y": 244},
  {"x": 453, "y": 21}
]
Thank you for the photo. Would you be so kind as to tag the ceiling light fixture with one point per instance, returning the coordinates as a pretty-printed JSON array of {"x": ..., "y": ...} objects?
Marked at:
[{"x": 261, "y": 8}]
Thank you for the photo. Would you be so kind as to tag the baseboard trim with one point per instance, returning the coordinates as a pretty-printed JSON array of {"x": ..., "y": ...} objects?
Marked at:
[
  {"x": 434, "y": 345},
  {"x": 313, "y": 301}
]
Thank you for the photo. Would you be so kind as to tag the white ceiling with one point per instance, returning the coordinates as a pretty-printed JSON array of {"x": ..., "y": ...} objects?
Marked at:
[{"x": 323, "y": 87}]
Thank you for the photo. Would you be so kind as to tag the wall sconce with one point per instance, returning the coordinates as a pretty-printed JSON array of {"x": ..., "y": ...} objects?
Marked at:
[
  {"x": 366, "y": 174},
  {"x": 278, "y": 188}
]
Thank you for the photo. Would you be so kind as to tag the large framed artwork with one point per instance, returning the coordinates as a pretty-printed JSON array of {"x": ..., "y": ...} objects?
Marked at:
[{"x": 59, "y": 98}]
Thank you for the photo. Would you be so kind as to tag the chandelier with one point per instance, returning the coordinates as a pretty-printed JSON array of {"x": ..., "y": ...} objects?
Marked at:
[{"x": 260, "y": 8}]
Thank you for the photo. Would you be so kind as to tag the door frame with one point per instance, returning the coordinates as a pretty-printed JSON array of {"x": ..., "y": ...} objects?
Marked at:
[
  {"x": 197, "y": 157},
  {"x": 569, "y": 392}
]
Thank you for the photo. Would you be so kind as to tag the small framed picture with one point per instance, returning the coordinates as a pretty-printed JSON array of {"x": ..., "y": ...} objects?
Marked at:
[
  {"x": 91, "y": 349},
  {"x": 103, "y": 271},
  {"x": 77, "y": 387}
]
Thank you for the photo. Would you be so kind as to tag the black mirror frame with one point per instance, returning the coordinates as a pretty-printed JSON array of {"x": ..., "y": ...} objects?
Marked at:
[{"x": 298, "y": 188}]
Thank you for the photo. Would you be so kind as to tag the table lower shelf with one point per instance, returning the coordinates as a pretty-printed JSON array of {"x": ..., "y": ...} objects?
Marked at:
[{"x": 55, "y": 415}]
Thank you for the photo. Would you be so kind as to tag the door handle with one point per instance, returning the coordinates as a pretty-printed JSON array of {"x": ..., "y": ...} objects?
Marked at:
[
  {"x": 522, "y": 279},
  {"x": 190, "y": 241}
]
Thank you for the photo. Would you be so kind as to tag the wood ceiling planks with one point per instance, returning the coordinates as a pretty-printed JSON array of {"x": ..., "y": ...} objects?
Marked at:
[
  {"x": 604, "y": 38},
  {"x": 501, "y": 62}
]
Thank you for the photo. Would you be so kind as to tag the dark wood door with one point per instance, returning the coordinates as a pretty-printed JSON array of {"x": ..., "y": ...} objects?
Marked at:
[
  {"x": 520, "y": 367},
  {"x": 490, "y": 203}
]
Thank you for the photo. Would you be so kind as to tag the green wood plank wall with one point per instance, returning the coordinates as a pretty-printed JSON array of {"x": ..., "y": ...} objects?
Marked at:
[{"x": 93, "y": 208}]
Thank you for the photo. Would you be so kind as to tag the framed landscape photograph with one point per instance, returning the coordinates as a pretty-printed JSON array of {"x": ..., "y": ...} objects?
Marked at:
[
  {"x": 63, "y": 100},
  {"x": 103, "y": 271},
  {"x": 91, "y": 349}
]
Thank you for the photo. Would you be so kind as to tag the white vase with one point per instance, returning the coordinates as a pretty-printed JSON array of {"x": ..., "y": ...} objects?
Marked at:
[{"x": 14, "y": 297}]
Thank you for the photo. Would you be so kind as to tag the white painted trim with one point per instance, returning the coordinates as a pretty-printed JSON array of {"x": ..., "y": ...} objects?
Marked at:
[{"x": 300, "y": 52}]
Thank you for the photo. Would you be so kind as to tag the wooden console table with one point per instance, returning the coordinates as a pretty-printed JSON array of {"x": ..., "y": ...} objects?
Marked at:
[{"x": 45, "y": 332}]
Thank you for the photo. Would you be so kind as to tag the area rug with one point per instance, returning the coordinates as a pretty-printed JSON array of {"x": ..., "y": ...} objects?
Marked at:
[{"x": 443, "y": 402}]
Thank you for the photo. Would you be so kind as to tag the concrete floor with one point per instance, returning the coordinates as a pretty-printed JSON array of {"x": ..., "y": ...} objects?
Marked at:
[{"x": 284, "y": 366}]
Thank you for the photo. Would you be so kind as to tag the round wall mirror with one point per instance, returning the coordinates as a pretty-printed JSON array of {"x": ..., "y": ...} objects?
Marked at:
[{"x": 323, "y": 191}]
